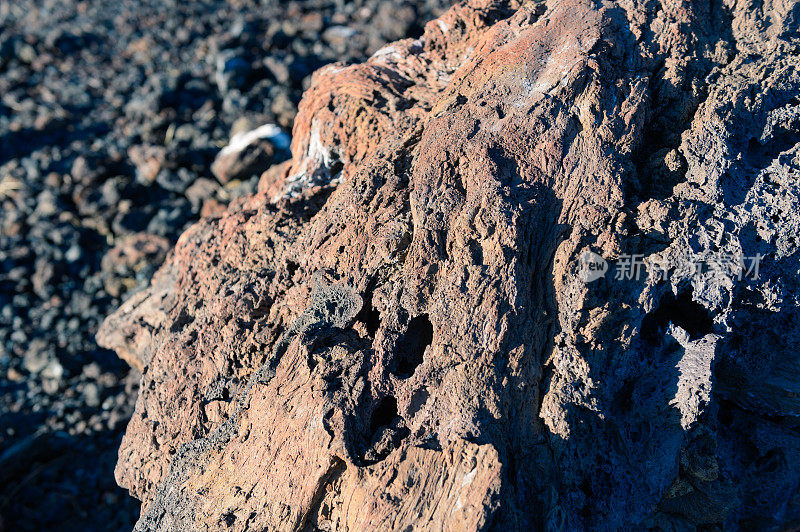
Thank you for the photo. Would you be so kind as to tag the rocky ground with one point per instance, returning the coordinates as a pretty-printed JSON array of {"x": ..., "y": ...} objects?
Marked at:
[{"x": 111, "y": 117}]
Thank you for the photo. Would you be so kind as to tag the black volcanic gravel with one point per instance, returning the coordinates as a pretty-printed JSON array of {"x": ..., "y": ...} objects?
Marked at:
[{"x": 88, "y": 91}]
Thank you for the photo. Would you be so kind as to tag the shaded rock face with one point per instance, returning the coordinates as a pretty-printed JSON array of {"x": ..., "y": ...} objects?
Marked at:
[{"x": 397, "y": 331}]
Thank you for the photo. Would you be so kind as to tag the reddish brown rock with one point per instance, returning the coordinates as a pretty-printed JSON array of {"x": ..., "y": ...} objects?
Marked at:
[{"x": 397, "y": 332}]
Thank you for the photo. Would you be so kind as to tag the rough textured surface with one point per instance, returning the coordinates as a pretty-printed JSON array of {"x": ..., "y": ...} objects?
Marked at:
[{"x": 395, "y": 332}]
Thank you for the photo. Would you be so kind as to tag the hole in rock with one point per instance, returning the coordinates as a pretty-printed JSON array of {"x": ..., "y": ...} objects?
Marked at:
[
  {"x": 418, "y": 400},
  {"x": 291, "y": 268},
  {"x": 412, "y": 345},
  {"x": 182, "y": 320},
  {"x": 682, "y": 311},
  {"x": 384, "y": 414},
  {"x": 369, "y": 316},
  {"x": 387, "y": 431},
  {"x": 261, "y": 310},
  {"x": 229, "y": 519}
]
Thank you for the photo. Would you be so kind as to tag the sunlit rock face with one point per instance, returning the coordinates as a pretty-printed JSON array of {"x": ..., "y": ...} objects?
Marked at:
[{"x": 398, "y": 331}]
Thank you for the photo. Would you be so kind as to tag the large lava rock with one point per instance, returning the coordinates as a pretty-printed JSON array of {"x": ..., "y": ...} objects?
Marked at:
[{"x": 399, "y": 331}]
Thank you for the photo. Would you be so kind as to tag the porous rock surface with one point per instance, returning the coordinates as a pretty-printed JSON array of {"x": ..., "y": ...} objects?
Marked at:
[{"x": 396, "y": 332}]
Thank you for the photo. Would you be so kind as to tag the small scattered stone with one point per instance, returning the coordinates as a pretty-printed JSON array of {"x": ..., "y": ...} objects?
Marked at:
[{"x": 91, "y": 395}]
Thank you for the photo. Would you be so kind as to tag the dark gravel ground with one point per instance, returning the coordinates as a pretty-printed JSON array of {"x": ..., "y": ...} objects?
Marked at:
[{"x": 111, "y": 114}]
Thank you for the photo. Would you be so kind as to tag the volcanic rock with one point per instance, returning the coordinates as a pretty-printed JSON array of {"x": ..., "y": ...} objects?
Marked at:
[{"x": 396, "y": 331}]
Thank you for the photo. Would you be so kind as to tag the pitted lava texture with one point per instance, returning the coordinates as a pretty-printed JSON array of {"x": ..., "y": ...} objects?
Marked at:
[{"x": 397, "y": 331}]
